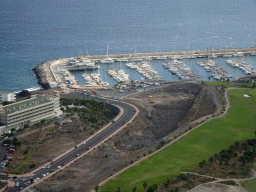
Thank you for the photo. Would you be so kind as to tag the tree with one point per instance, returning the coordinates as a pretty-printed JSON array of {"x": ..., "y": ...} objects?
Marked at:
[
  {"x": 118, "y": 189},
  {"x": 202, "y": 164},
  {"x": 96, "y": 188},
  {"x": 145, "y": 185},
  {"x": 255, "y": 133},
  {"x": 152, "y": 188},
  {"x": 253, "y": 85},
  {"x": 134, "y": 189}
]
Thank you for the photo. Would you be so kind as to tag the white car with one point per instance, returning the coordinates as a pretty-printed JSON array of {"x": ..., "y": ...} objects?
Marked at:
[
  {"x": 121, "y": 91},
  {"x": 44, "y": 175},
  {"x": 48, "y": 166},
  {"x": 43, "y": 167},
  {"x": 84, "y": 143},
  {"x": 17, "y": 184},
  {"x": 59, "y": 167}
]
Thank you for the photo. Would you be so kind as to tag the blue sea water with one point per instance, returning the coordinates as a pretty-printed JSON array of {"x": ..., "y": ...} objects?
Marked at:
[{"x": 32, "y": 31}]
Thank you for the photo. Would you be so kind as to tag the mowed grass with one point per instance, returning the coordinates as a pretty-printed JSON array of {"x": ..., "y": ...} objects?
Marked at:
[
  {"x": 213, "y": 83},
  {"x": 249, "y": 185},
  {"x": 185, "y": 154}
]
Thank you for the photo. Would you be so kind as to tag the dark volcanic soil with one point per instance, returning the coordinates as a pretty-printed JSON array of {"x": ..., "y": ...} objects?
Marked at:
[{"x": 174, "y": 106}]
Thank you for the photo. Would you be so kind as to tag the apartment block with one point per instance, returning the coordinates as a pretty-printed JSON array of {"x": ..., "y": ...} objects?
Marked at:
[
  {"x": 29, "y": 111},
  {"x": 7, "y": 96}
]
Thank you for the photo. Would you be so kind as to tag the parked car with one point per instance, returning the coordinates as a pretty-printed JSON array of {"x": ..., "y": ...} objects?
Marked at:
[{"x": 11, "y": 151}]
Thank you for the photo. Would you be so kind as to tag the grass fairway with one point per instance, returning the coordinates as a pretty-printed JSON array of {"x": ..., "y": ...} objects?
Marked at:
[
  {"x": 249, "y": 185},
  {"x": 238, "y": 125}
]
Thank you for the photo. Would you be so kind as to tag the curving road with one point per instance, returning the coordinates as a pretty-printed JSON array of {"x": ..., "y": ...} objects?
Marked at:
[{"x": 129, "y": 112}]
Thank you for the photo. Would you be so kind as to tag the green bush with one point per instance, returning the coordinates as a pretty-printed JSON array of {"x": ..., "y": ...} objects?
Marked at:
[{"x": 33, "y": 165}]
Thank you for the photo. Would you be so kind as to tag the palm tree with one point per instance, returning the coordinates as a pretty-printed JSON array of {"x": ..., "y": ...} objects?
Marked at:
[{"x": 134, "y": 189}]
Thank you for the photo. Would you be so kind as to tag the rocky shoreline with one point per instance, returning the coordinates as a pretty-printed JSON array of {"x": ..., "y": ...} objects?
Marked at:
[{"x": 41, "y": 77}]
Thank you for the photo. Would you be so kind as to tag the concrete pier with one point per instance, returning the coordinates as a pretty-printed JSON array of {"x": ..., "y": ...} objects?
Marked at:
[{"x": 196, "y": 53}]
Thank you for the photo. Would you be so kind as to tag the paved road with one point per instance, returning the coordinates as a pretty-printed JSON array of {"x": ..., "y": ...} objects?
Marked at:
[{"x": 129, "y": 112}]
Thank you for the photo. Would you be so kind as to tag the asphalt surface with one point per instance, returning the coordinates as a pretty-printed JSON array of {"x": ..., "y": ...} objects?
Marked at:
[{"x": 129, "y": 112}]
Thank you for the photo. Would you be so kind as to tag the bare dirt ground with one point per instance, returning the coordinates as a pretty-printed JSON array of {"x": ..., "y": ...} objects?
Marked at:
[
  {"x": 42, "y": 145},
  {"x": 215, "y": 187},
  {"x": 172, "y": 107}
]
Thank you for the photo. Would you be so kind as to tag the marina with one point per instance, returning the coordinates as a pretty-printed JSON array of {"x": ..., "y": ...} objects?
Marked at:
[
  {"x": 81, "y": 65},
  {"x": 119, "y": 75},
  {"x": 246, "y": 68},
  {"x": 145, "y": 70},
  {"x": 145, "y": 66},
  {"x": 94, "y": 79},
  {"x": 217, "y": 72},
  {"x": 182, "y": 71}
]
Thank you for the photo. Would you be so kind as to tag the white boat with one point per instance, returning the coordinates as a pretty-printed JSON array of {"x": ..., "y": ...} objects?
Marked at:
[
  {"x": 108, "y": 59},
  {"x": 227, "y": 55},
  {"x": 238, "y": 54},
  {"x": 122, "y": 60},
  {"x": 162, "y": 57},
  {"x": 253, "y": 53}
]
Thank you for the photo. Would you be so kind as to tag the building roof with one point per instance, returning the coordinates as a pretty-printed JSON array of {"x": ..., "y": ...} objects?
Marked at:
[
  {"x": 5, "y": 92},
  {"x": 35, "y": 100}
]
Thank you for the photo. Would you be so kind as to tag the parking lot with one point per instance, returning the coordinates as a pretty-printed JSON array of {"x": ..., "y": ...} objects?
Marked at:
[{"x": 129, "y": 89}]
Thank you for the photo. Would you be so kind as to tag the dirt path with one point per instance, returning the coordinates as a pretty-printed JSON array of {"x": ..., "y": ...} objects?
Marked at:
[{"x": 220, "y": 179}]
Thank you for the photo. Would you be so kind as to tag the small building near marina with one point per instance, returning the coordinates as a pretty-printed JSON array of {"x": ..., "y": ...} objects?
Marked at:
[
  {"x": 29, "y": 111},
  {"x": 7, "y": 96}
]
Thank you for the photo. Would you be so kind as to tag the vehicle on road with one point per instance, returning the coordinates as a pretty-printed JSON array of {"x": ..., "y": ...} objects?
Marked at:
[
  {"x": 52, "y": 162},
  {"x": 21, "y": 189},
  {"x": 17, "y": 184},
  {"x": 77, "y": 155},
  {"x": 43, "y": 167},
  {"x": 8, "y": 187},
  {"x": 48, "y": 166},
  {"x": 43, "y": 175},
  {"x": 84, "y": 143},
  {"x": 59, "y": 167}
]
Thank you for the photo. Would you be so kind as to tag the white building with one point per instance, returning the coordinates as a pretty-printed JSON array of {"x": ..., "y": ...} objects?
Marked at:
[
  {"x": 7, "y": 96},
  {"x": 29, "y": 111}
]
